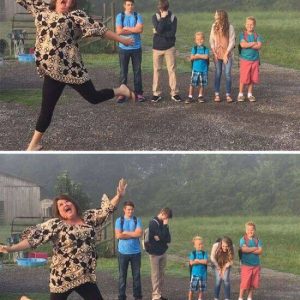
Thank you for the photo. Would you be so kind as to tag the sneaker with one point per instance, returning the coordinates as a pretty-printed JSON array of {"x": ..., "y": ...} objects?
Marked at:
[
  {"x": 189, "y": 100},
  {"x": 155, "y": 99},
  {"x": 252, "y": 99},
  {"x": 176, "y": 98},
  {"x": 201, "y": 99},
  {"x": 229, "y": 99},
  {"x": 121, "y": 99},
  {"x": 241, "y": 98},
  {"x": 140, "y": 98}
]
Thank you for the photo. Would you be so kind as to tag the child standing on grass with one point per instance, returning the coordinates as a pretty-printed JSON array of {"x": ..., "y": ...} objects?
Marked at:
[
  {"x": 199, "y": 59},
  {"x": 250, "y": 44},
  {"x": 198, "y": 264},
  {"x": 250, "y": 250}
]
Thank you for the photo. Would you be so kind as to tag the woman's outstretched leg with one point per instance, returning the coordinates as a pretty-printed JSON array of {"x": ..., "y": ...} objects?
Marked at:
[
  {"x": 88, "y": 92},
  {"x": 52, "y": 90}
]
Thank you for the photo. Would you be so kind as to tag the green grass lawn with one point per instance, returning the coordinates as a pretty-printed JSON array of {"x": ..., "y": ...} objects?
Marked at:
[
  {"x": 280, "y": 237},
  {"x": 278, "y": 234},
  {"x": 279, "y": 30}
]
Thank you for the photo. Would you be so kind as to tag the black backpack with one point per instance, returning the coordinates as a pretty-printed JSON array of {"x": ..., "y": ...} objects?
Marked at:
[
  {"x": 194, "y": 257},
  {"x": 122, "y": 222},
  {"x": 207, "y": 60}
]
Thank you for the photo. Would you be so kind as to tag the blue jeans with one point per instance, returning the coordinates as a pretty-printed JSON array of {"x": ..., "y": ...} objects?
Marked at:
[
  {"x": 135, "y": 261},
  {"x": 218, "y": 74},
  {"x": 136, "y": 58},
  {"x": 219, "y": 281}
]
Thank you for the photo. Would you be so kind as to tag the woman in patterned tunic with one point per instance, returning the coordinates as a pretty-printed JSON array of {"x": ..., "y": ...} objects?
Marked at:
[
  {"x": 73, "y": 237},
  {"x": 58, "y": 59}
]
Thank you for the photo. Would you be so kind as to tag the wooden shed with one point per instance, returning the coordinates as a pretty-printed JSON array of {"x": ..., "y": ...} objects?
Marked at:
[{"x": 18, "y": 198}]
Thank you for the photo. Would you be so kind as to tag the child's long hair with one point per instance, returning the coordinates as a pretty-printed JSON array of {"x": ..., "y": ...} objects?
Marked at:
[
  {"x": 224, "y": 257},
  {"x": 222, "y": 25}
]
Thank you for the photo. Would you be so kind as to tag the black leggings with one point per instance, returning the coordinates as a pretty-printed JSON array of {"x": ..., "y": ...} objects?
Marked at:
[
  {"x": 88, "y": 291},
  {"x": 52, "y": 90}
]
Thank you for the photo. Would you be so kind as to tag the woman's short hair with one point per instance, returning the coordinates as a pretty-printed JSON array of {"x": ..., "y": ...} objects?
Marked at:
[
  {"x": 55, "y": 210},
  {"x": 163, "y": 5},
  {"x": 52, "y": 5}
]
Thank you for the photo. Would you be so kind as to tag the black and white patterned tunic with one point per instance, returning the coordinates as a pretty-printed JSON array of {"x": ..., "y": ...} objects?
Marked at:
[
  {"x": 56, "y": 48},
  {"x": 74, "y": 256}
]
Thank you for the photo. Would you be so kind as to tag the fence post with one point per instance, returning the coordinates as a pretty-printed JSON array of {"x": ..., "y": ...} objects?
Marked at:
[{"x": 104, "y": 11}]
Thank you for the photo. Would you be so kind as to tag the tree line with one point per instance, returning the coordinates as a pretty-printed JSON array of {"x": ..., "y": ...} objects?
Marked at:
[{"x": 206, "y": 184}]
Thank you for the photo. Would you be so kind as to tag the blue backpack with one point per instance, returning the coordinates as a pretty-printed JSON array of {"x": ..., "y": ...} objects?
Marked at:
[
  {"x": 207, "y": 60},
  {"x": 194, "y": 257}
]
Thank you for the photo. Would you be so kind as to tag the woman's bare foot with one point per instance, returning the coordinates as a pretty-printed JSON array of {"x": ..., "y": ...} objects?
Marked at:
[
  {"x": 37, "y": 147},
  {"x": 124, "y": 90}
]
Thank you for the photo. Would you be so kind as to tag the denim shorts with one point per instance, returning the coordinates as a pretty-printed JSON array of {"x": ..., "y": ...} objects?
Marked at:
[
  {"x": 199, "y": 78},
  {"x": 198, "y": 283}
]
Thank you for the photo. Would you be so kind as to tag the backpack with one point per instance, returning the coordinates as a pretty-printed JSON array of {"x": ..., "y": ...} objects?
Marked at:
[
  {"x": 135, "y": 14},
  {"x": 158, "y": 17},
  {"x": 207, "y": 60},
  {"x": 194, "y": 256},
  {"x": 146, "y": 241},
  {"x": 122, "y": 222},
  {"x": 240, "y": 252},
  {"x": 246, "y": 39}
]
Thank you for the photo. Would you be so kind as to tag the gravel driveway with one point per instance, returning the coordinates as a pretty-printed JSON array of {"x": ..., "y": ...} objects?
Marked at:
[
  {"x": 275, "y": 285},
  {"x": 272, "y": 123}
]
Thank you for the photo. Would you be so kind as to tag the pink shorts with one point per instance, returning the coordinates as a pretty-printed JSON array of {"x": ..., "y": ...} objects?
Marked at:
[
  {"x": 249, "y": 71},
  {"x": 250, "y": 277}
]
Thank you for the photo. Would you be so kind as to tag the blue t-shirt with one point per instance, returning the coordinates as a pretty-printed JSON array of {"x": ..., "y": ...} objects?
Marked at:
[
  {"x": 200, "y": 65},
  {"x": 199, "y": 269},
  {"x": 250, "y": 259},
  {"x": 129, "y": 246},
  {"x": 249, "y": 53},
  {"x": 130, "y": 21}
]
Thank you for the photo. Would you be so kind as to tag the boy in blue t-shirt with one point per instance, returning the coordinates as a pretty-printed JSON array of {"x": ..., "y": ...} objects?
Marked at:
[
  {"x": 250, "y": 44},
  {"x": 130, "y": 24},
  {"x": 128, "y": 230},
  {"x": 200, "y": 60},
  {"x": 251, "y": 249},
  {"x": 198, "y": 263}
]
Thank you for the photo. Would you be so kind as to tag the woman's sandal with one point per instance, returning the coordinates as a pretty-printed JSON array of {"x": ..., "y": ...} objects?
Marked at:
[{"x": 217, "y": 98}]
